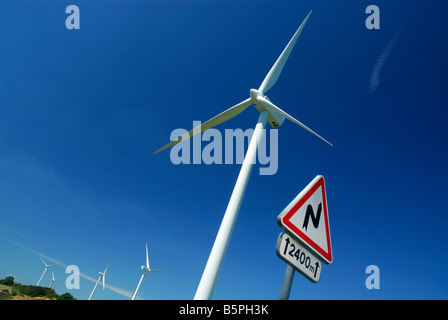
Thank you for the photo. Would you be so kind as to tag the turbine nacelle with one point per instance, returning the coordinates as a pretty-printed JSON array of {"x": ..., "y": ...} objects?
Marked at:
[
  {"x": 145, "y": 269},
  {"x": 274, "y": 119},
  {"x": 254, "y": 93}
]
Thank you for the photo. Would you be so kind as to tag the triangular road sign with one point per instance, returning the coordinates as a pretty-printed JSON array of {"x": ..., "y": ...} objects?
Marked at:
[{"x": 306, "y": 219}]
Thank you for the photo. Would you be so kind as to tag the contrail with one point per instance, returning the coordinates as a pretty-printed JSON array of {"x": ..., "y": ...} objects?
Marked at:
[
  {"x": 375, "y": 76},
  {"x": 110, "y": 287}
]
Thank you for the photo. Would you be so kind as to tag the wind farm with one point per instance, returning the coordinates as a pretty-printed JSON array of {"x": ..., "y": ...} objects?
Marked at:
[
  {"x": 41, "y": 293},
  {"x": 171, "y": 136},
  {"x": 269, "y": 113}
]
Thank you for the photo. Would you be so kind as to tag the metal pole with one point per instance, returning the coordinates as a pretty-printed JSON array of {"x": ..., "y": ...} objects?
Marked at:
[
  {"x": 215, "y": 260},
  {"x": 287, "y": 282}
]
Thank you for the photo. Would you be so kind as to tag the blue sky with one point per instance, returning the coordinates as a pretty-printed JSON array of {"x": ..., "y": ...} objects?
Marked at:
[{"x": 82, "y": 111}]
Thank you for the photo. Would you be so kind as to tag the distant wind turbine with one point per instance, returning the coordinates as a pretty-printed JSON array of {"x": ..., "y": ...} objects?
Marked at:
[
  {"x": 146, "y": 269},
  {"x": 52, "y": 280},
  {"x": 268, "y": 113},
  {"x": 46, "y": 268},
  {"x": 102, "y": 276}
]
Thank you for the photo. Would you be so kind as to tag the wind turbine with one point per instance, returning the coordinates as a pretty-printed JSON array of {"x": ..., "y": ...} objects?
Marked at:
[
  {"x": 46, "y": 268},
  {"x": 146, "y": 269},
  {"x": 103, "y": 276},
  {"x": 268, "y": 113},
  {"x": 52, "y": 280}
]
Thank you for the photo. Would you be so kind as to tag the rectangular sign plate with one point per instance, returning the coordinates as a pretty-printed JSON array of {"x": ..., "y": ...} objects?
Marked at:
[{"x": 294, "y": 254}]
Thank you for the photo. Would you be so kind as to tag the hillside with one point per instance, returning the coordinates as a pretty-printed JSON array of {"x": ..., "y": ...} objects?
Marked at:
[{"x": 10, "y": 290}]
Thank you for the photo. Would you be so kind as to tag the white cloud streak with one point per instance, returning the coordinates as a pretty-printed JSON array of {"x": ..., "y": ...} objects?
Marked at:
[{"x": 376, "y": 71}]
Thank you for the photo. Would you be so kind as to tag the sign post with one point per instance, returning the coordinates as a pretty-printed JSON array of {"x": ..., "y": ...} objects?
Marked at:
[{"x": 287, "y": 283}]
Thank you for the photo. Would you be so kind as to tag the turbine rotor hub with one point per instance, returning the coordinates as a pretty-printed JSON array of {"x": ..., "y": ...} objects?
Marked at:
[
  {"x": 144, "y": 268},
  {"x": 254, "y": 93}
]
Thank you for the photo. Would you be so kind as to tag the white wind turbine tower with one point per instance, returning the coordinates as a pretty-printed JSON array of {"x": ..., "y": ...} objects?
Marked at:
[
  {"x": 102, "y": 276},
  {"x": 52, "y": 280},
  {"x": 268, "y": 113},
  {"x": 46, "y": 268},
  {"x": 146, "y": 269}
]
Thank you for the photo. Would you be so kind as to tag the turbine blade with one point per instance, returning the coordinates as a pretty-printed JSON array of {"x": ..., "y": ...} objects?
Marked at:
[
  {"x": 147, "y": 257},
  {"x": 107, "y": 267},
  {"x": 220, "y": 118},
  {"x": 274, "y": 109},
  {"x": 43, "y": 261},
  {"x": 274, "y": 73},
  {"x": 104, "y": 281}
]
